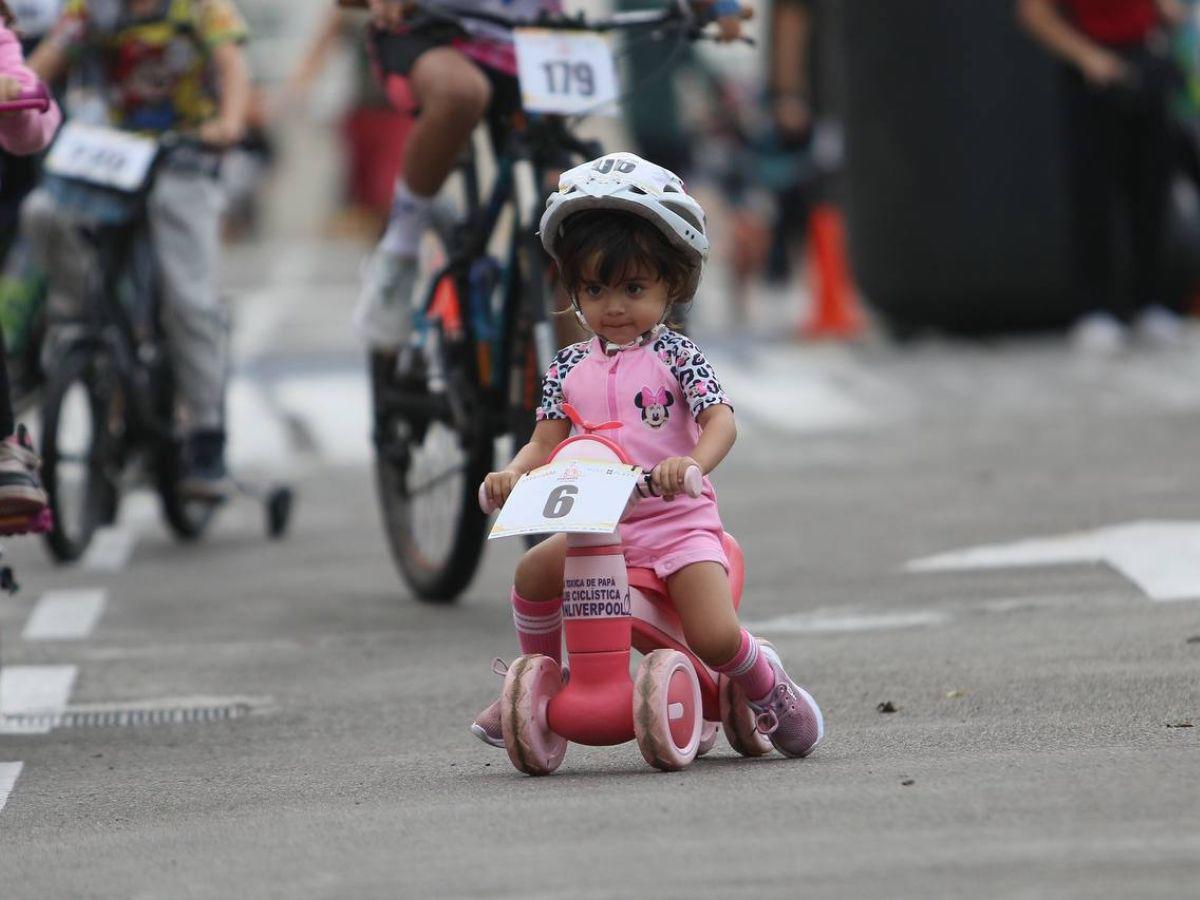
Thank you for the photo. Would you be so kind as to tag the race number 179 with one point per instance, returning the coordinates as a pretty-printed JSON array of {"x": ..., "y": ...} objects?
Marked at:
[{"x": 564, "y": 72}]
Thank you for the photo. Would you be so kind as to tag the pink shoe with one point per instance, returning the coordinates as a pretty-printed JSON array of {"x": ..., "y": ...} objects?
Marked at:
[
  {"x": 22, "y": 498},
  {"x": 486, "y": 726},
  {"x": 788, "y": 715}
]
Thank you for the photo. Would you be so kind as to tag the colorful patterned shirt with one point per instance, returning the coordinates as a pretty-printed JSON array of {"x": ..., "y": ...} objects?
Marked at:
[{"x": 157, "y": 68}]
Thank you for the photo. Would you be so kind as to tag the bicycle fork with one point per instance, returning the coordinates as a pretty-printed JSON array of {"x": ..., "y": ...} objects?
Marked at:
[{"x": 596, "y": 706}]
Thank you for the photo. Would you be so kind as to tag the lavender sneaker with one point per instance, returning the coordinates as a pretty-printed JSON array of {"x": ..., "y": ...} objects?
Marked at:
[
  {"x": 486, "y": 726},
  {"x": 788, "y": 715}
]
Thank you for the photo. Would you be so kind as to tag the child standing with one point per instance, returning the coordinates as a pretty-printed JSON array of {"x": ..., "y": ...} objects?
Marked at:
[
  {"x": 630, "y": 244},
  {"x": 21, "y": 133}
]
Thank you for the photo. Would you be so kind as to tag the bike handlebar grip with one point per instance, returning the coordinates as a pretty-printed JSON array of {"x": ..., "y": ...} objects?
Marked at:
[
  {"x": 693, "y": 481},
  {"x": 485, "y": 502},
  {"x": 38, "y": 99}
]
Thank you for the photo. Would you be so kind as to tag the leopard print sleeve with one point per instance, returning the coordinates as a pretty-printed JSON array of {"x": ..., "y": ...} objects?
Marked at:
[
  {"x": 552, "y": 384},
  {"x": 691, "y": 368}
]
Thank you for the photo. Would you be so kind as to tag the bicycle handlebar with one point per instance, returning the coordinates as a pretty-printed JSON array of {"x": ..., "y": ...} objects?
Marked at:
[
  {"x": 693, "y": 485},
  {"x": 37, "y": 99},
  {"x": 680, "y": 11}
]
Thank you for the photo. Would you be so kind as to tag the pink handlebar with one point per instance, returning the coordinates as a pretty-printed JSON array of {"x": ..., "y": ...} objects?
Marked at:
[
  {"x": 38, "y": 99},
  {"x": 693, "y": 485}
]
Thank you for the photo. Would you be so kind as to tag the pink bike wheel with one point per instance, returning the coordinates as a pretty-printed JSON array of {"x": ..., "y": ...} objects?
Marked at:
[
  {"x": 667, "y": 713},
  {"x": 739, "y": 721},
  {"x": 708, "y": 737},
  {"x": 530, "y": 684}
]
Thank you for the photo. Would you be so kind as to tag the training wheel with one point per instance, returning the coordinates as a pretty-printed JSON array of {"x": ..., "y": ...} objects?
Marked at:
[
  {"x": 667, "y": 713},
  {"x": 279, "y": 511},
  {"x": 740, "y": 721},
  {"x": 532, "y": 681}
]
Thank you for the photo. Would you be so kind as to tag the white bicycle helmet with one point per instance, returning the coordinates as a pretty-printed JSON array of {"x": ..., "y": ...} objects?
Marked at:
[{"x": 626, "y": 182}]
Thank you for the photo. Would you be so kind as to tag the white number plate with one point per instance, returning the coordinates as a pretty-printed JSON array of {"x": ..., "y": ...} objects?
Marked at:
[
  {"x": 101, "y": 156},
  {"x": 564, "y": 72},
  {"x": 572, "y": 495}
]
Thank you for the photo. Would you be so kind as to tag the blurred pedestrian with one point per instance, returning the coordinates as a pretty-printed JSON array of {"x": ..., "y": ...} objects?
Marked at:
[
  {"x": 373, "y": 131},
  {"x": 1118, "y": 79},
  {"x": 22, "y": 497},
  {"x": 32, "y": 20}
]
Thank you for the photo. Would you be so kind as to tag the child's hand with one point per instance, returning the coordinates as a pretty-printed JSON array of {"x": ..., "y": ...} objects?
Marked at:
[
  {"x": 10, "y": 89},
  {"x": 499, "y": 485},
  {"x": 667, "y": 477}
]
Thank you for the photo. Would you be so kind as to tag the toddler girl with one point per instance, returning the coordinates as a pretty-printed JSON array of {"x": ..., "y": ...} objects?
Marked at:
[
  {"x": 630, "y": 244},
  {"x": 22, "y": 133}
]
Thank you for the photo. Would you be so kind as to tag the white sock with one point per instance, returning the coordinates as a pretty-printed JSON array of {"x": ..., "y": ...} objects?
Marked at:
[{"x": 406, "y": 222}]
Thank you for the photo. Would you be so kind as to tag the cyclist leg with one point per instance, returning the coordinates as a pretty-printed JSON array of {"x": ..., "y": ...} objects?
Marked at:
[
  {"x": 452, "y": 95},
  {"x": 184, "y": 215},
  {"x": 58, "y": 249}
]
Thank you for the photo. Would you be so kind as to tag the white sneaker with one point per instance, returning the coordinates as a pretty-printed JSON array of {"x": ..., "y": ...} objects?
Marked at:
[
  {"x": 1159, "y": 327},
  {"x": 383, "y": 317},
  {"x": 1099, "y": 334}
]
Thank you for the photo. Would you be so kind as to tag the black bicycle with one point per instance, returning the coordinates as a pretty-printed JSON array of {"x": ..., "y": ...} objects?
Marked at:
[
  {"x": 110, "y": 406},
  {"x": 484, "y": 331}
]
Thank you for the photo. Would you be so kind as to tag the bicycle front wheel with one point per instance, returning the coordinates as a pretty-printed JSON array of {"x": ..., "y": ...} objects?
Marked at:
[
  {"x": 83, "y": 423},
  {"x": 428, "y": 467}
]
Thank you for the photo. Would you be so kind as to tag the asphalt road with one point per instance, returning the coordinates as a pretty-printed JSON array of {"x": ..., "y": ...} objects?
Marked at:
[{"x": 1037, "y": 746}]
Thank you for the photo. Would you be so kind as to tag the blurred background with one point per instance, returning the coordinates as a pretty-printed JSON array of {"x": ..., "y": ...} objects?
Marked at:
[{"x": 928, "y": 137}]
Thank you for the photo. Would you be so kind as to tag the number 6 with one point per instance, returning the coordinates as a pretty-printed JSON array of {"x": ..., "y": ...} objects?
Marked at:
[{"x": 560, "y": 501}]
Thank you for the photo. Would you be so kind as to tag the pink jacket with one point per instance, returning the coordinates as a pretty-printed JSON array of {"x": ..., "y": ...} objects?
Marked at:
[
  {"x": 30, "y": 131},
  {"x": 655, "y": 391}
]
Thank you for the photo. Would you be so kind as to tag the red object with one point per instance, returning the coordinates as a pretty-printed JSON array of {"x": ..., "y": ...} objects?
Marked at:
[
  {"x": 834, "y": 312},
  {"x": 445, "y": 306},
  {"x": 374, "y": 143},
  {"x": 1114, "y": 21}
]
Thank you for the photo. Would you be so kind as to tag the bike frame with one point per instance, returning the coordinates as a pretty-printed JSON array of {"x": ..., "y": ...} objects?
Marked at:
[
  {"x": 632, "y": 608},
  {"x": 131, "y": 336},
  {"x": 532, "y": 146}
]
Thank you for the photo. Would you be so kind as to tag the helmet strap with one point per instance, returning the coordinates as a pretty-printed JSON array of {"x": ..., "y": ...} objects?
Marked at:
[{"x": 611, "y": 349}]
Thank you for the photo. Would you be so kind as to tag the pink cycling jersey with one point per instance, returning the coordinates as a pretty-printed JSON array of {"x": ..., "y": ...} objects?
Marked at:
[{"x": 656, "y": 392}]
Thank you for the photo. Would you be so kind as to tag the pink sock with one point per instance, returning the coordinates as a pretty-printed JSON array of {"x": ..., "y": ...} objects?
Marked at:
[
  {"x": 750, "y": 669},
  {"x": 539, "y": 626}
]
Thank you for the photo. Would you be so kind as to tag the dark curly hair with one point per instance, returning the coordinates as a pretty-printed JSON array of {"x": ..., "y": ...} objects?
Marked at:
[
  {"x": 615, "y": 246},
  {"x": 6, "y": 16}
]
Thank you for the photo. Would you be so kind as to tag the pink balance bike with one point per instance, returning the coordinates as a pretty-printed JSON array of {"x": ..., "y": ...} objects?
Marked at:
[{"x": 673, "y": 706}]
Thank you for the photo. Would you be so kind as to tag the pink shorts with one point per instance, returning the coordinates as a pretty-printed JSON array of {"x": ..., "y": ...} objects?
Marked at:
[{"x": 683, "y": 549}]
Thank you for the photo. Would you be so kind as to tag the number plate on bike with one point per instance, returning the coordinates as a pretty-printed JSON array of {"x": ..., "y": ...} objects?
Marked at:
[
  {"x": 564, "y": 72},
  {"x": 101, "y": 156},
  {"x": 572, "y": 495}
]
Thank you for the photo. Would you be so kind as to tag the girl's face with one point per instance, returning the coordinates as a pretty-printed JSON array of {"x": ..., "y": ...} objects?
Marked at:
[{"x": 622, "y": 312}]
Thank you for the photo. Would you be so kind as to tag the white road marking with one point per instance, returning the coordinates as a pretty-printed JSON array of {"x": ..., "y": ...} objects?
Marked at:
[
  {"x": 110, "y": 549},
  {"x": 1162, "y": 558},
  {"x": 65, "y": 615},
  {"x": 9, "y": 772},
  {"x": 33, "y": 690},
  {"x": 826, "y": 623}
]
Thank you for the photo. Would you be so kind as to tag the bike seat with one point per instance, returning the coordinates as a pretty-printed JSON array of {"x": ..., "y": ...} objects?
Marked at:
[{"x": 647, "y": 580}]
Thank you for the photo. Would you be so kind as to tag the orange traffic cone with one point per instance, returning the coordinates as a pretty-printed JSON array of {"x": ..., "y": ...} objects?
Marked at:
[{"x": 834, "y": 312}]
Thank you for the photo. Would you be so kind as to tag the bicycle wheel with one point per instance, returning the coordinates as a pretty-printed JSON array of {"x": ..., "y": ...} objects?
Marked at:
[
  {"x": 432, "y": 450},
  {"x": 83, "y": 426}
]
